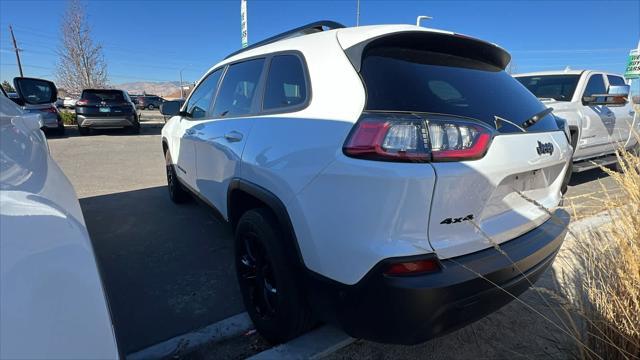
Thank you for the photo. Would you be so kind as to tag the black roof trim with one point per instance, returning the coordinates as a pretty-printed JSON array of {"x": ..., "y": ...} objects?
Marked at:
[{"x": 302, "y": 30}]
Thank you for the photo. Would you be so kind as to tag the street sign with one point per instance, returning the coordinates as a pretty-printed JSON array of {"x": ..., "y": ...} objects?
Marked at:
[
  {"x": 243, "y": 23},
  {"x": 633, "y": 65}
]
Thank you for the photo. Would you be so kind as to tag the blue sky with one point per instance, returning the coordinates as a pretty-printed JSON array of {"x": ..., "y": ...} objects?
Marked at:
[{"x": 153, "y": 40}]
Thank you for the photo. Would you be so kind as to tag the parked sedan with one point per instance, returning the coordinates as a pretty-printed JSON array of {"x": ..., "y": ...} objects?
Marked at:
[
  {"x": 104, "y": 109},
  {"x": 53, "y": 304}
]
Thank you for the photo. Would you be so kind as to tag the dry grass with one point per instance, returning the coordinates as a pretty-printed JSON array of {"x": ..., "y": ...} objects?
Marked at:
[{"x": 605, "y": 302}]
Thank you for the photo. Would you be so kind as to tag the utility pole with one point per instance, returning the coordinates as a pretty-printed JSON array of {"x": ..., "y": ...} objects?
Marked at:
[
  {"x": 15, "y": 47},
  {"x": 181, "y": 87},
  {"x": 357, "y": 13}
]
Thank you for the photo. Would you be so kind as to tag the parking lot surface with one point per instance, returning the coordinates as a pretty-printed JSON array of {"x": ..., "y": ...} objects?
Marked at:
[{"x": 168, "y": 269}]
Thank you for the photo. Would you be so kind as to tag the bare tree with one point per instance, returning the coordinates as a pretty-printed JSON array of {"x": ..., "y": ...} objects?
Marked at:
[
  {"x": 7, "y": 86},
  {"x": 81, "y": 63}
]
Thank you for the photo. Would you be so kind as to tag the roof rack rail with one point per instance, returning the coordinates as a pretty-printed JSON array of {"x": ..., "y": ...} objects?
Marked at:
[{"x": 299, "y": 31}]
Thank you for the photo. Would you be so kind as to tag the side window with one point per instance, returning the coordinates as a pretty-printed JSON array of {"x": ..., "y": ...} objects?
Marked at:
[
  {"x": 286, "y": 83},
  {"x": 595, "y": 86},
  {"x": 615, "y": 80},
  {"x": 200, "y": 101},
  {"x": 238, "y": 88}
]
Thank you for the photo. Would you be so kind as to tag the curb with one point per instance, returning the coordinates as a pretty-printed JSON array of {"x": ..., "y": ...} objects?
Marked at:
[
  {"x": 314, "y": 345},
  {"x": 230, "y": 327}
]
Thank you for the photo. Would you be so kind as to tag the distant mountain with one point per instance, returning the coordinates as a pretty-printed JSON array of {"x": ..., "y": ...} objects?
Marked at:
[{"x": 155, "y": 88}]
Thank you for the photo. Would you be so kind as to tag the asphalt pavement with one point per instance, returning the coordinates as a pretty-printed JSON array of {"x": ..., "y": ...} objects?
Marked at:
[{"x": 168, "y": 269}]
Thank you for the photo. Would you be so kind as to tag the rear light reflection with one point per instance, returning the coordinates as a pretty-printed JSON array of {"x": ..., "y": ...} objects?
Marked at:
[
  {"x": 82, "y": 102},
  {"x": 413, "y": 267}
]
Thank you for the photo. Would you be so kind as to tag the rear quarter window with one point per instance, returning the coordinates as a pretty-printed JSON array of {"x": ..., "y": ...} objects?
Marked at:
[{"x": 286, "y": 83}]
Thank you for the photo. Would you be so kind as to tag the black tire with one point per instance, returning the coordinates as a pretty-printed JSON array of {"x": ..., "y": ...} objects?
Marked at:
[
  {"x": 150, "y": 107},
  {"x": 60, "y": 130},
  {"x": 276, "y": 304},
  {"x": 84, "y": 130},
  {"x": 135, "y": 129},
  {"x": 177, "y": 193}
]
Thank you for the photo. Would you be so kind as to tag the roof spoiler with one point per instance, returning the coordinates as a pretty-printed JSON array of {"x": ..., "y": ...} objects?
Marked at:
[
  {"x": 440, "y": 42},
  {"x": 311, "y": 28}
]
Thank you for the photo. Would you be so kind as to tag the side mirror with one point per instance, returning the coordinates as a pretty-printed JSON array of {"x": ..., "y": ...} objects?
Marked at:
[
  {"x": 616, "y": 95},
  {"x": 35, "y": 91},
  {"x": 621, "y": 90},
  {"x": 171, "y": 108}
]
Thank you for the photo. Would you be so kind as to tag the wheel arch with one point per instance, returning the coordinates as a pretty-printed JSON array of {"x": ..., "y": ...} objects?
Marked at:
[
  {"x": 243, "y": 196},
  {"x": 165, "y": 145}
]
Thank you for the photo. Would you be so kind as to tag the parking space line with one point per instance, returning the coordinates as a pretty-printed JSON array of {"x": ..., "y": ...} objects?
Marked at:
[{"x": 221, "y": 330}]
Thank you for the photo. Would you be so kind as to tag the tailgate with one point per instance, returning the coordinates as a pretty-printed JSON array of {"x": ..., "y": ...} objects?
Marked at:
[
  {"x": 484, "y": 189},
  {"x": 495, "y": 197}
]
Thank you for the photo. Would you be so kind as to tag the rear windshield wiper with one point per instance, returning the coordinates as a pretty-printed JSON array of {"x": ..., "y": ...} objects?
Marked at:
[
  {"x": 535, "y": 118},
  {"x": 499, "y": 120}
]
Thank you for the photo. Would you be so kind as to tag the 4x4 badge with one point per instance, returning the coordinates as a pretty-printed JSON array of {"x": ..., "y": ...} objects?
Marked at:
[
  {"x": 457, "y": 220},
  {"x": 545, "y": 148}
]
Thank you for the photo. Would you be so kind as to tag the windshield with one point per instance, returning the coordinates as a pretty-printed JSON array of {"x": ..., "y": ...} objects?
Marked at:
[
  {"x": 556, "y": 87},
  {"x": 96, "y": 96},
  {"x": 401, "y": 79}
]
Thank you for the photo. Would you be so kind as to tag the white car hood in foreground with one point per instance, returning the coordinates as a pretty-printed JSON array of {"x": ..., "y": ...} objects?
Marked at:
[{"x": 52, "y": 305}]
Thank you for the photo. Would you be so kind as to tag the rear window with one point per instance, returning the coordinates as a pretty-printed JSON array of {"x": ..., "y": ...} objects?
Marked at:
[
  {"x": 103, "y": 95},
  {"x": 415, "y": 80},
  {"x": 556, "y": 87}
]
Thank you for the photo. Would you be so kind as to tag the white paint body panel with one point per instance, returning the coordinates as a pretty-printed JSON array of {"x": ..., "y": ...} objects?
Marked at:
[
  {"x": 52, "y": 304},
  {"x": 486, "y": 188}
]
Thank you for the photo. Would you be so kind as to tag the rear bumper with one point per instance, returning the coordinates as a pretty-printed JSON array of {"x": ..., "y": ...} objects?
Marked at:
[
  {"x": 106, "y": 122},
  {"x": 51, "y": 120},
  {"x": 410, "y": 310}
]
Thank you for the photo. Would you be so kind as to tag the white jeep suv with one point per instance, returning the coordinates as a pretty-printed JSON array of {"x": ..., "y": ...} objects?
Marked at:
[{"x": 370, "y": 175}]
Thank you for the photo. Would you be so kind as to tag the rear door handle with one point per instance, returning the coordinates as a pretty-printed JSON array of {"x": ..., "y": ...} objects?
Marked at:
[{"x": 233, "y": 136}]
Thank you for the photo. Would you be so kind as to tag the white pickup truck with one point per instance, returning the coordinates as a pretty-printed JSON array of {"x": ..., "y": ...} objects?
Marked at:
[{"x": 595, "y": 106}]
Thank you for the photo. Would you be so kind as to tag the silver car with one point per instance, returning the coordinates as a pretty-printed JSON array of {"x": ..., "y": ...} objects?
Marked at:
[{"x": 33, "y": 97}]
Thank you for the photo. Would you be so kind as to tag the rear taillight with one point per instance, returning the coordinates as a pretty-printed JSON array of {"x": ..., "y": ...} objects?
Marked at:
[
  {"x": 413, "y": 267},
  {"x": 82, "y": 102},
  {"x": 412, "y": 138},
  {"x": 51, "y": 110}
]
